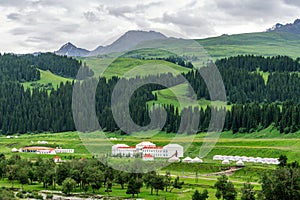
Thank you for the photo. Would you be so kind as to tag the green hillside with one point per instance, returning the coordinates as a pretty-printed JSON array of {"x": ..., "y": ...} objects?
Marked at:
[
  {"x": 264, "y": 43},
  {"x": 168, "y": 96},
  {"x": 139, "y": 67},
  {"x": 46, "y": 78}
]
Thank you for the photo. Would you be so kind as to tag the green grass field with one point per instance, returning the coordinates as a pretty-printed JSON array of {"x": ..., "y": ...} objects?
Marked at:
[
  {"x": 266, "y": 44},
  {"x": 266, "y": 143},
  {"x": 168, "y": 97},
  {"x": 134, "y": 67},
  {"x": 48, "y": 77}
]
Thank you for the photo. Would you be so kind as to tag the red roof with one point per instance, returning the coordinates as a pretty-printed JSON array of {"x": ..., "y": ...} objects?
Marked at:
[
  {"x": 153, "y": 147},
  {"x": 126, "y": 147},
  {"x": 37, "y": 148},
  {"x": 56, "y": 157},
  {"x": 148, "y": 156}
]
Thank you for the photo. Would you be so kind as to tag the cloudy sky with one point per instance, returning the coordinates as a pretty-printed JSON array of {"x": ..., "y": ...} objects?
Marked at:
[{"x": 44, "y": 25}]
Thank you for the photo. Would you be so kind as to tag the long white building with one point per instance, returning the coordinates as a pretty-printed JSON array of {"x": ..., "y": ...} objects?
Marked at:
[{"x": 144, "y": 148}]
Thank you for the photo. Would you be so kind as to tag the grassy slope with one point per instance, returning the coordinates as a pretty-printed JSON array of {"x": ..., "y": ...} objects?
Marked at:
[
  {"x": 266, "y": 44},
  {"x": 168, "y": 96},
  {"x": 48, "y": 77},
  {"x": 136, "y": 67}
]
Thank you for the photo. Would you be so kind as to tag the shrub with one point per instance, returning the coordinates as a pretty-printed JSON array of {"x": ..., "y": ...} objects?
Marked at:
[{"x": 49, "y": 196}]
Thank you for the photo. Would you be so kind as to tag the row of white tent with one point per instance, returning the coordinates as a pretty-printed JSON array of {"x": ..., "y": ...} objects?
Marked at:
[
  {"x": 186, "y": 160},
  {"x": 227, "y": 159}
]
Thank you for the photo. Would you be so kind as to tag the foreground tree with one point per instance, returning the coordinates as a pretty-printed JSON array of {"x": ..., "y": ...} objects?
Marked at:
[
  {"x": 248, "y": 192},
  {"x": 281, "y": 184},
  {"x": 158, "y": 183},
  {"x": 68, "y": 185},
  {"x": 121, "y": 178},
  {"x": 200, "y": 196},
  {"x": 95, "y": 178},
  {"x": 134, "y": 186},
  {"x": 225, "y": 189},
  {"x": 177, "y": 184},
  {"x": 12, "y": 174},
  {"x": 230, "y": 192},
  {"x": 282, "y": 160}
]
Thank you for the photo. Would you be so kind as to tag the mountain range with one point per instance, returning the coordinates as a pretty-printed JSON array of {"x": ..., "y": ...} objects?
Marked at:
[
  {"x": 132, "y": 38},
  {"x": 289, "y": 28},
  {"x": 127, "y": 41}
]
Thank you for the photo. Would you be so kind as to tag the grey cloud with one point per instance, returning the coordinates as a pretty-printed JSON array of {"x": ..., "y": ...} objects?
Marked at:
[
  {"x": 13, "y": 3},
  {"x": 70, "y": 28},
  {"x": 13, "y": 16},
  {"x": 120, "y": 11},
  {"x": 90, "y": 16},
  {"x": 39, "y": 39},
  {"x": 292, "y": 2},
  {"x": 188, "y": 23},
  {"x": 252, "y": 9},
  {"x": 20, "y": 31}
]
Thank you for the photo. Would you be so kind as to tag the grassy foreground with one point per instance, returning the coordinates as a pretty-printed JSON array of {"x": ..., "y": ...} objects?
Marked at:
[{"x": 266, "y": 143}]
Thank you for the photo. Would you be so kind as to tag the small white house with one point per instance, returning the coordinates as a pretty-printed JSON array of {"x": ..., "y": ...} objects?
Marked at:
[
  {"x": 14, "y": 150},
  {"x": 56, "y": 159},
  {"x": 225, "y": 162}
]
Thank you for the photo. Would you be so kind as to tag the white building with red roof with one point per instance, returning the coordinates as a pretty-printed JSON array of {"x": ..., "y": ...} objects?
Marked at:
[
  {"x": 56, "y": 159},
  {"x": 146, "y": 148}
]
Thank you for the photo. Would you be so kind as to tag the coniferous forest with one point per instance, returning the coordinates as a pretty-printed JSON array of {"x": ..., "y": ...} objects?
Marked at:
[{"x": 256, "y": 103}]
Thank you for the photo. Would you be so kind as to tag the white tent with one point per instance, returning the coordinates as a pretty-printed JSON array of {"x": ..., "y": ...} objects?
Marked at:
[
  {"x": 237, "y": 158},
  {"x": 240, "y": 163},
  {"x": 218, "y": 157},
  {"x": 174, "y": 159},
  {"x": 244, "y": 158},
  {"x": 14, "y": 150},
  {"x": 187, "y": 160},
  {"x": 197, "y": 160},
  {"x": 231, "y": 158},
  {"x": 225, "y": 162}
]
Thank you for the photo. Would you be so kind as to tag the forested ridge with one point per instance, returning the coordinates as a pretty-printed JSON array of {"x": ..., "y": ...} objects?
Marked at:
[
  {"x": 256, "y": 104},
  {"x": 244, "y": 84},
  {"x": 24, "y": 68}
]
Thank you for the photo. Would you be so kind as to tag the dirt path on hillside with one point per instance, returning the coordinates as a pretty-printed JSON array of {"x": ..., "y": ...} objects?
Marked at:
[{"x": 226, "y": 172}]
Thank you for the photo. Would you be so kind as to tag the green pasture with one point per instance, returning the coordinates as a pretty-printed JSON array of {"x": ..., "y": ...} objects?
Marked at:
[{"x": 46, "y": 78}]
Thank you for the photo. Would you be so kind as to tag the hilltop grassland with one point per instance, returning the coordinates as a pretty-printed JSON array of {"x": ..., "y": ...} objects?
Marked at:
[
  {"x": 263, "y": 43},
  {"x": 134, "y": 67}
]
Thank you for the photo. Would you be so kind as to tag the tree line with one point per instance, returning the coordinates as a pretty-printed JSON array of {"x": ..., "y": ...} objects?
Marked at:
[
  {"x": 87, "y": 175},
  {"x": 37, "y": 110},
  {"x": 91, "y": 175},
  {"x": 244, "y": 84},
  {"x": 23, "y": 68}
]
